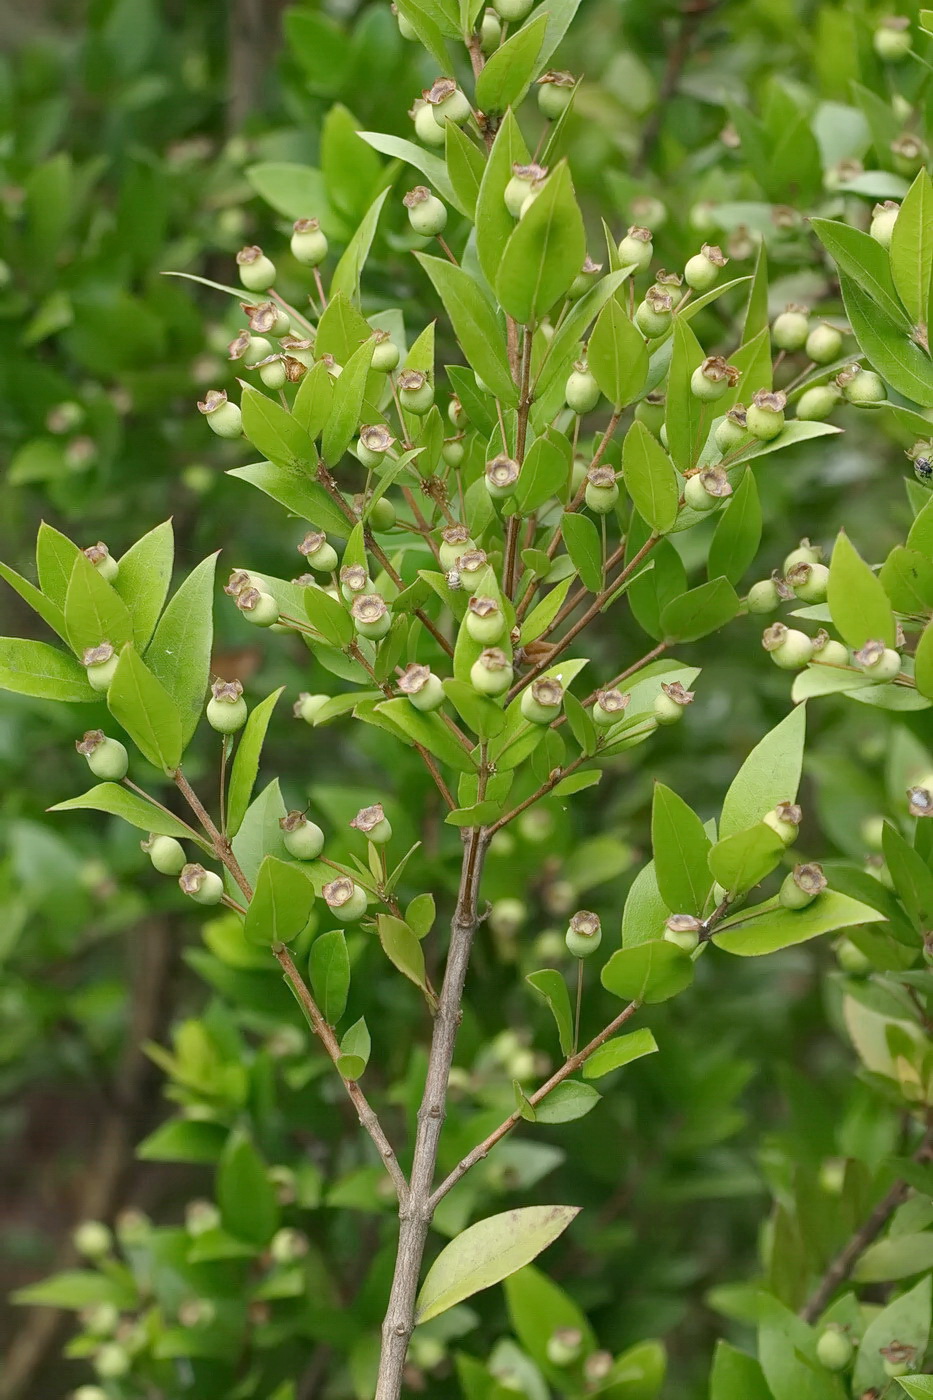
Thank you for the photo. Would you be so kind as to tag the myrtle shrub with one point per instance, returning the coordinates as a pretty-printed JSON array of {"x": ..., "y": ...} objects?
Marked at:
[{"x": 515, "y": 523}]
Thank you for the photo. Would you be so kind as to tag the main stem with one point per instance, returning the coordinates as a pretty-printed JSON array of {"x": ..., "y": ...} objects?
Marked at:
[{"x": 415, "y": 1215}]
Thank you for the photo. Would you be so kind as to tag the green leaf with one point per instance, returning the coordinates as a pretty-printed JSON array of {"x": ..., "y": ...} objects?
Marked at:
[
  {"x": 911, "y": 250},
  {"x": 923, "y": 662},
  {"x": 488, "y": 1252},
  {"x": 275, "y": 432},
  {"x": 138, "y": 701},
  {"x": 184, "y": 1140},
  {"x": 281, "y": 905},
  {"x": 179, "y": 654},
  {"x": 700, "y": 611},
  {"x": 560, "y": 15},
  {"x": 144, "y": 578},
  {"x": 483, "y": 716},
  {"x": 736, "y": 1376},
  {"x": 544, "y": 612},
  {"x": 49, "y": 611},
  {"x": 55, "y": 560},
  {"x": 648, "y": 972},
  {"x": 246, "y": 762},
  {"x": 431, "y": 26},
  {"x": 681, "y": 850},
  {"x": 329, "y": 616},
  {"x": 907, "y": 578},
  {"x": 551, "y": 986},
  {"x": 545, "y": 473},
  {"x": 293, "y": 488},
  {"x": 400, "y": 945},
  {"x": 619, "y": 1051},
  {"x": 734, "y": 545},
  {"x": 585, "y": 548},
  {"x": 650, "y": 478},
  {"x": 769, "y": 775},
  {"x": 245, "y": 1194},
  {"x": 566, "y": 1102},
  {"x": 898, "y": 1256},
  {"x": 742, "y": 860},
  {"x": 420, "y": 915},
  {"x": 293, "y": 190},
  {"x": 351, "y": 171},
  {"x": 347, "y": 273},
  {"x": 857, "y": 601},
  {"x": 35, "y": 668},
  {"x": 919, "y": 1387},
  {"x": 428, "y": 730},
  {"x": 465, "y": 167},
  {"x": 618, "y": 358},
  {"x": 355, "y": 1049},
  {"x": 905, "y": 1320},
  {"x": 507, "y": 73},
  {"x": 911, "y": 875},
  {"x": 537, "y": 1309},
  {"x": 475, "y": 324},
  {"x": 889, "y": 348},
  {"x": 687, "y": 418},
  {"x": 94, "y": 611},
  {"x": 311, "y": 408},
  {"x": 121, "y": 802},
  {"x": 430, "y": 165},
  {"x": 767, "y": 927},
  {"x": 544, "y": 252},
  {"x": 329, "y": 971},
  {"x": 349, "y": 391},
  {"x": 564, "y": 346},
  {"x": 77, "y": 1289},
  {"x": 863, "y": 259},
  {"x": 494, "y": 223}
]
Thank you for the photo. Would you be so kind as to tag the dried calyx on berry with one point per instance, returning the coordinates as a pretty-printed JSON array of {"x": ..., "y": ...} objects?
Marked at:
[
  {"x": 167, "y": 854},
  {"x": 802, "y": 886},
  {"x": 584, "y": 934},
  {"x": 371, "y": 616},
  {"x": 485, "y": 620},
  {"x": 861, "y": 386},
  {"x": 373, "y": 823},
  {"x": 542, "y": 700},
  {"x": 253, "y": 350},
  {"x": 684, "y": 931},
  {"x": 764, "y": 417},
  {"x": 345, "y": 899},
  {"x": 609, "y": 707},
  {"x": 768, "y": 594},
  {"x": 375, "y": 440},
  {"x": 99, "y": 555},
  {"x": 920, "y": 802},
  {"x": 203, "y": 886},
  {"x": 223, "y": 417},
  {"x": 732, "y": 432},
  {"x": 320, "y": 555},
  {"x": 502, "y": 475},
  {"x": 525, "y": 179},
  {"x": 602, "y": 490},
  {"x": 107, "y": 758},
  {"x": 491, "y": 673},
  {"x": 422, "y": 687},
  {"x": 308, "y": 242},
  {"x": 265, "y": 318},
  {"x": 415, "y": 391},
  {"x": 302, "y": 838},
  {"x": 671, "y": 701},
  {"x": 555, "y": 91},
  {"x": 787, "y": 647},
  {"x": 826, "y": 650},
  {"x": 585, "y": 278},
  {"x": 100, "y": 664},
  {"x": 704, "y": 267},
  {"x": 653, "y": 315},
  {"x": 426, "y": 213},
  {"x": 707, "y": 488},
  {"x": 455, "y": 540},
  {"x": 785, "y": 819},
  {"x": 258, "y": 607},
  {"x": 877, "y": 660},
  {"x": 636, "y": 248},
  {"x": 447, "y": 101},
  {"x": 257, "y": 272},
  {"x": 810, "y": 582},
  {"x": 226, "y": 710},
  {"x": 713, "y": 378},
  {"x": 354, "y": 580}
]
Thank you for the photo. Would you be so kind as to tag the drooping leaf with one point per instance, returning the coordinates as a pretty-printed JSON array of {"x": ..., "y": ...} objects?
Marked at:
[
  {"x": 620, "y": 1050},
  {"x": 35, "y": 668},
  {"x": 120, "y": 802},
  {"x": 550, "y": 985}
]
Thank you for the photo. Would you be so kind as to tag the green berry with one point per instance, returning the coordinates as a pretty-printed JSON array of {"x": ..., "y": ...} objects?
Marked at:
[
  {"x": 861, "y": 386},
  {"x": 382, "y": 514},
  {"x": 371, "y": 616},
  {"x": 307, "y": 706},
  {"x": 513, "y": 10},
  {"x": 223, "y": 417},
  {"x": 106, "y": 758},
  {"x": 345, "y": 899},
  {"x": 653, "y": 316},
  {"x": 584, "y": 934},
  {"x": 564, "y": 1346},
  {"x": 542, "y": 700},
  {"x": 636, "y": 248},
  {"x": 455, "y": 540},
  {"x": 609, "y": 708},
  {"x": 167, "y": 854},
  {"x": 586, "y": 278},
  {"x": 100, "y": 665},
  {"x": 309, "y": 243},
  {"x": 703, "y": 268},
  {"x": 891, "y": 40},
  {"x": 373, "y": 443},
  {"x": 92, "y": 1239},
  {"x": 805, "y": 553},
  {"x": 491, "y": 673},
  {"x": 373, "y": 823},
  {"x": 321, "y": 556},
  {"x": 787, "y": 647},
  {"x": 103, "y": 561},
  {"x": 898, "y": 1359},
  {"x": 802, "y": 886},
  {"x": 301, "y": 838},
  {"x": 555, "y": 91},
  {"x": 485, "y": 620},
  {"x": 257, "y": 272},
  {"x": 878, "y": 661},
  {"x": 426, "y": 213},
  {"x": 257, "y": 607},
  {"x": 273, "y": 373},
  {"x": 732, "y": 431},
  {"x": 501, "y": 478},
  {"x": 650, "y": 411},
  {"x": 523, "y": 180},
  {"x": 790, "y": 329},
  {"x": 423, "y": 688},
  {"x": 203, "y": 886},
  {"x": 765, "y": 415},
  {"x": 447, "y": 102},
  {"x": 386, "y": 354},
  {"x": 834, "y": 1349},
  {"x": 581, "y": 392},
  {"x": 884, "y": 217},
  {"x": 817, "y": 403},
  {"x": 824, "y": 344},
  {"x": 354, "y": 581},
  {"x": 706, "y": 489},
  {"x": 426, "y": 128},
  {"x": 89, "y": 1392},
  {"x": 670, "y": 702},
  {"x": 763, "y": 597},
  {"x": 490, "y": 34},
  {"x": 683, "y": 930},
  {"x": 810, "y": 582},
  {"x": 453, "y": 452},
  {"x": 415, "y": 392},
  {"x": 602, "y": 490},
  {"x": 784, "y": 819},
  {"x": 851, "y": 959},
  {"x": 226, "y": 709},
  {"x": 112, "y": 1361}
]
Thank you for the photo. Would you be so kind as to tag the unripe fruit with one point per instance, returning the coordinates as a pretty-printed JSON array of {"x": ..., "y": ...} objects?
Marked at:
[
  {"x": 891, "y": 40},
  {"x": 203, "y": 886},
  {"x": 898, "y": 1359},
  {"x": 103, "y": 561},
  {"x": 309, "y": 242},
  {"x": 586, "y": 278},
  {"x": 112, "y": 1361},
  {"x": 524, "y": 179},
  {"x": 507, "y": 916},
  {"x": 602, "y": 490},
  {"x": 455, "y": 540},
  {"x": 810, "y": 582},
  {"x": 251, "y": 350},
  {"x": 502, "y": 475},
  {"x": 307, "y": 706},
  {"x": 683, "y": 930},
  {"x": 851, "y": 959},
  {"x": 712, "y": 379},
  {"x": 763, "y": 597},
  {"x": 447, "y": 102},
  {"x": 382, "y": 515},
  {"x": 476, "y": 573},
  {"x": 555, "y": 90},
  {"x": 223, "y": 417},
  {"x": 374, "y": 442},
  {"x": 321, "y": 556},
  {"x": 371, "y": 616},
  {"x": 426, "y": 213},
  {"x": 201, "y": 1217},
  {"x": 92, "y": 1239},
  {"x": 423, "y": 688},
  {"x": 732, "y": 432},
  {"x": 288, "y": 1246},
  {"x": 261, "y": 609},
  {"x": 415, "y": 391},
  {"x": 834, "y": 1350},
  {"x": 542, "y": 700},
  {"x": 802, "y": 886},
  {"x": 817, "y": 403},
  {"x": 861, "y": 386},
  {"x": 584, "y": 934},
  {"x": 426, "y": 128},
  {"x": 706, "y": 489},
  {"x": 513, "y": 10},
  {"x": 827, "y": 651},
  {"x": 485, "y": 620},
  {"x": 636, "y": 248},
  {"x": 564, "y": 1346},
  {"x": 788, "y": 648},
  {"x": 702, "y": 270},
  {"x": 823, "y": 344},
  {"x": 257, "y": 272},
  {"x": 490, "y": 34},
  {"x": 878, "y": 661},
  {"x": 609, "y": 708},
  {"x": 653, "y": 316},
  {"x": 884, "y": 217},
  {"x": 491, "y": 673},
  {"x": 650, "y": 411},
  {"x": 670, "y": 702},
  {"x": 302, "y": 839},
  {"x": 89, "y": 1392},
  {"x": 167, "y": 854},
  {"x": 790, "y": 329},
  {"x": 805, "y": 553},
  {"x": 106, "y": 758},
  {"x": 784, "y": 819},
  {"x": 100, "y": 664},
  {"x": 226, "y": 709},
  {"x": 581, "y": 392},
  {"x": 273, "y": 373},
  {"x": 345, "y": 899},
  {"x": 765, "y": 415},
  {"x": 386, "y": 353},
  {"x": 373, "y": 823},
  {"x": 405, "y": 26}
]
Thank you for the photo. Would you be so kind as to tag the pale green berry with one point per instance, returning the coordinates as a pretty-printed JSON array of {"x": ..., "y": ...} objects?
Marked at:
[
  {"x": 273, "y": 373},
  {"x": 382, "y": 515},
  {"x": 861, "y": 386},
  {"x": 257, "y": 272},
  {"x": 732, "y": 431},
  {"x": 491, "y": 673},
  {"x": 386, "y": 353},
  {"x": 374, "y": 442},
  {"x": 112, "y": 1361},
  {"x": 581, "y": 392},
  {"x": 455, "y": 540},
  {"x": 602, "y": 490},
  {"x": 105, "y": 564},
  {"x": 897, "y": 1359},
  {"x": 302, "y": 839},
  {"x": 834, "y": 1349},
  {"x": 824, "y": 344},
  {"x": 507, "y": 916},
  {"x": 784, "y": 820},
  {"x": 321, "y": 556},
  {"x": 354, "y": 581},
  {"x": 683, "y": 930},
  {"x": 810, "y": 582},
  {"x": 345, "y": 899},
  {"x": 308, "y": 243},
  {"x": 636, "y": 248},
  {"x": 707, "y": 489},
  {"x": 288, "y": 1246},
  {"x": 426, "y": 128},
  {"x": 92, "y": 1239},
  {"x": 447, "y": 102},
  {"x": 670, "y": 702},
  {"x": 100, "y": 665},
  {"x": 765, "y": 415},
  {"x": 805, "y": 553},
  {"x": 654, "y": 315},
  {"x": 555, "y": 91},
  {"x": 203, "y": 886},
  {"x": 891, "y": 40},
  {"x": 453, "y": 452},
  {"x": 584, "y": 934},
  {"x": 373, "y": 823},
  {"x": 880, "y": 662},
  {"x": 415, "y": 391},
  {"x": 226, "y": 709},
  {"x": 201, "y": 1217},
  {"x": 542, "y": 700},
  {"x": 426, "y": 213},
  {"x": 523, "y": 180},
  {"x": 89, "y": 1392},
  {"x": 817, "y": 403},
  {"x": 167, "y": 854},
  {"x": 423, "y": 688},
  {"x": 485, "y": 620},
  {"x": 763, "y": 597},
  {"x": 106, "y": 758},
  {"x": 501, "y": 477},
  {"x": 307, "y": 706},
  {"x": 490, "y": 32},
  {"x": 790, "y": 329},
  {"x": 609, "y": 708},
  {"x": 702, "y": 270},
  {"x": 851, "y": 959},
  {"x": 258, "y": 607},
  {"x": 787, "y": 647},
  {"x": 802, "y": 886},
  {"x": 223, "y": 417},
  {"x": 513, "y": 10},
  {"x": 884, "y": 217},
  {"x": 565, "y": 1346},
  {"x": 371, "y": 616},
  {"x": 650, "y": 411},
  {"x": 586, "y": 278}
]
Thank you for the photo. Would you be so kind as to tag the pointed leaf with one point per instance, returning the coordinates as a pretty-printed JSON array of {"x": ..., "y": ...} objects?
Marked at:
[
  {"x": 120, "y": 802},
  {"x": 650, "y": 478},
  {"x": 35, "y": 668},
  {"x": 544, "y": 253},
  {"x": 769, "y": 775},
  {"x": 649, "y": 972},
  {"x": 329, "y": 971},
  {"x": 618, "y": 357},
  {"x": 681, "y": 850},
  {"x": 280, "y": 908},
  {"x": 138, "y": 701},
  {"x": 179, "y": 654},
  {"x": 507, "y": 73},
  {"x": 246, "y": 762},
  {"x": 769, "y": 926},
  {"x": 550, "y": 985},
  {"x": 857, "y": 601},
  {"x": 475, "y": 325}
]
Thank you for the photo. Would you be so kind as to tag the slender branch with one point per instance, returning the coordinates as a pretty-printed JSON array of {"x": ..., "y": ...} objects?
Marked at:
[
  {"x": 221, "y": 844},
  {"x": 365, "y": 1113},
  {"x": 847, "y": 1258},
  {"x": 569, "y": 1067},
  {"x": 354, "y": 651},
  {"x": 546, "y": 787}
]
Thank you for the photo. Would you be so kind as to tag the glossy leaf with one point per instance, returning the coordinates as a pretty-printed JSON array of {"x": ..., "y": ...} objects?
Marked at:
[
  {"x": 275, "y": 432},
  {"x": 857, "y": 601},
  {"x": 618, "y": 358},
  {"x": 700, "y": 611},
  {"x": 888, "y": 346},
  {"x": 740, "y": 861},
  {"x": 863, "y": 259},
  {"x": 567, "y": 1102},
  {"x": 545, "y": 473},
  {"x": 769, "y": 775},
  {"x": 650, "y": 478},
  {"x": 120, "y": 802},
  {"x": 246, "y": 761},
  {"x": 494, "y": 223},
  {"x": 293, "y": 488},
  {"x": 139, "y": 701},
  {"x": 648, "y": 972},
  {"x": 281, "y": 904},
  {"x": 402, "y": 948},
  {"x": 734, "y": 545},
  {"x": 94, "y": 611},
  {"x": 329, "y": 972},
  {"x": 508, "y": 72},
  {"x": 35, "y": 668},
  {"x": 681, "y": 849},
  {"x": 347, "y": 404},
  {"x": 355, "y": 1049},
  {"x": 475, "y": 324},
  {"x": 428, "y": 730},
  {"x": 144, "y": 578},
  {"x": 911, "y": 250},
  {"x": 584, "y": 546},
  {"x": 619, "y": 1051},
  {"x": 245, "y": 1193},
  {"x": 544, "y": 252},
  {"x": 769, "y": 926},
  {"x": 551, "y": 986}
]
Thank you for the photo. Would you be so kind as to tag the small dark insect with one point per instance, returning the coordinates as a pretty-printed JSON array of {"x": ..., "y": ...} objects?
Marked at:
[{"x": 923, "y": 468}]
